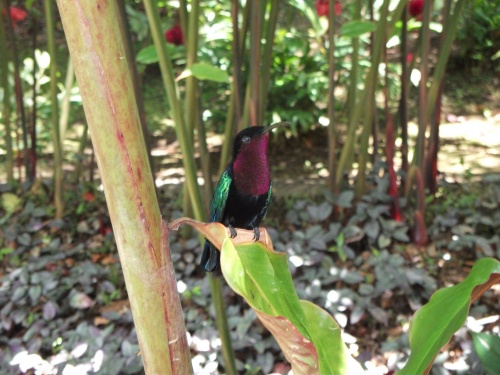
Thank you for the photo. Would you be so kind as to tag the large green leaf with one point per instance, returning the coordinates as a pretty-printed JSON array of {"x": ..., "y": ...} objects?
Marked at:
[
  {"x": 204, "y": 71},
  {"x": 488, "y": 350},
  {"x": 309, "y": 337},
  {"x": 355, "y": 29},
  {"x": 434, "y": 324}
]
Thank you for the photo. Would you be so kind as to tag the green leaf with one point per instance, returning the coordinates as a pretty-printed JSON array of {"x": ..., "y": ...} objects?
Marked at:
[
  {"x": 434, "y": 324},
  {"x": 488, "y": 350},
  {"x": 147, "y": 55},
  {"x": 355, "y": 29},
  {"x": 10, "y": 202},
  {"x": 204, "y": 71},
  {"x": 309, "y": 337}
]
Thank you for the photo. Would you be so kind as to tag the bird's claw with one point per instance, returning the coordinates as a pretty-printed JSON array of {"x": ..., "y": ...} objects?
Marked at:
[
  {"x": 232, "y": 231},
  {"x": 256, "y": 233}
]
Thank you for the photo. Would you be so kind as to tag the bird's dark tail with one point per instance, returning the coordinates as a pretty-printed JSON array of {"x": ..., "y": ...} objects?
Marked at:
[{"x": 210, "y": 259}]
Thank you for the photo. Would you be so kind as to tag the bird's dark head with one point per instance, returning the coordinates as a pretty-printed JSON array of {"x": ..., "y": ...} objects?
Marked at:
[{"x": 253, "y": 140}]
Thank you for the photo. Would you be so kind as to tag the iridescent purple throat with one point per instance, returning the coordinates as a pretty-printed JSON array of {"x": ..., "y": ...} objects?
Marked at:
[{"x": 251, "y": 169}]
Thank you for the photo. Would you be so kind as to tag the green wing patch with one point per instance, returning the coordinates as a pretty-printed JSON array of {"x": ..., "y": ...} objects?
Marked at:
[{"x": 219, "y": 199}]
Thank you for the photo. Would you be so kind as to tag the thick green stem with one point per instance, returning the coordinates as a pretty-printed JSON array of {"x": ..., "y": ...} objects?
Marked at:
[
  {"x": 6, "y": 111},
  {"x": 97, "y": 49},
  {"x": 54, "y": 116}
]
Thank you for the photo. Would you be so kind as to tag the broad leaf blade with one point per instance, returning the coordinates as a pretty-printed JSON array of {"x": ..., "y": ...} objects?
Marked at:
[
  {"x": 309, "y": 337},
  {"x": 488, "y": 350},
  {"x": 435, "y": 323}
]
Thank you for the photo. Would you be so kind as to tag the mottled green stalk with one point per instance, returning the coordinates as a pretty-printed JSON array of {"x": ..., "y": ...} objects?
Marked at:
[
  {"x": 97, "y": 49},
  {"x": 6, "y": 110},
  {"x": 176, "y": 108},
  {"x": 54, "y": 111},
  {"x": 188, "y": 155}
]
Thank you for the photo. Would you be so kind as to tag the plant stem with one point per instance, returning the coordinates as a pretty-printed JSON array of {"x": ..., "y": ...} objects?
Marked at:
[
  {"x": 97, "y": 48},
  {"x": 56, "y": 139},
  {"x": 332, "y": 131},
  {"x": 6, "y": 111}
]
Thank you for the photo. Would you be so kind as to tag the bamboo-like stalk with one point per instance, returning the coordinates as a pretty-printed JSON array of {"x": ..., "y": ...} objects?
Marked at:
[
  {"x": 18, "y": 92},
  {"x": 267, "y": 57},
  {"x": 81, "y": 150},
  {"x": 97, "y": 49},
  {"x": 6, "y": 112},
  {"x": 139, "y": 98},
  {"x": 419, "y": 156},
  {"x": 384, "y": 28},
  {"x": 353, "y": 75},
  {"x": 449, "y": 33},
  {"x": 188, "y": 159},
  {"x": 255, "y": 61},
  {"x": 175, "y": 105},
  {"x": 403, "y": 103},
  {"x": 54, "y": 115},
  {"x": 369, "y": 93},
  {"x": 34, "y": 114},
  {"x": 65, "y": 103},
  {"x": 332, "y": 130}
]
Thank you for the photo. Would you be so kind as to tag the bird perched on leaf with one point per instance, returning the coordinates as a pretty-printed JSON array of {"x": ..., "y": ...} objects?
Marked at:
[{"x": 243, "y": 193}]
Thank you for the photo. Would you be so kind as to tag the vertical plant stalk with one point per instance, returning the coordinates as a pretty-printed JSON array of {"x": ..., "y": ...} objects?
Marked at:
[
  {"x": 81, "y": 150},
  {"x": 403, "y": 103},
  {"x": 139, "y": 98},
  {"x": 267, "y": 57},
  {"x": 18, "y": 91},
  {"x": 6, "y": 111},
  {"x": 255, "y": 61},
  {"x": 65, "y": 102},
  {"x": 97, "y": 48},
  {"x": 419, "y": 156},
  {"x": 188, "y": 161},
  {"x": 369, "y": 93},
  {"x": 175, "y": 106},
  {"x": 433, "y": 144},
  {"x": 332, "y": 130},
  {"x": 353, "y": 76},
  {"x": 32, "y": 127},
  {"x": 54, "y": 115}
]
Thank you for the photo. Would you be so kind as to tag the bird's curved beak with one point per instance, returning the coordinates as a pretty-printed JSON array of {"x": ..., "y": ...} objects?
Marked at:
[{"x": 276, "y": 125}]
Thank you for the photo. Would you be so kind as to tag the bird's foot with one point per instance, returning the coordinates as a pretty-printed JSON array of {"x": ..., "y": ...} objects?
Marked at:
[
  {"x": 256, "y": 233},
  {"x": 232, "y": 231}
]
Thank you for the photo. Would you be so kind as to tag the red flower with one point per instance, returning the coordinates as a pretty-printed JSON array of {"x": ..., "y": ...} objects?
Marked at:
[
  {"x": 17, "y": 14},
  {"x": 88, "y": 196},
  {"x": 416, "y": 7},
  {"x": 322, "y": 7},
  {"x": 174, "y": 35}
]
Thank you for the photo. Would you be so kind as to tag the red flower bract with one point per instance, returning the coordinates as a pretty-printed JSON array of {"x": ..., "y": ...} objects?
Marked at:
[
  {"x": 174, "y": 35},
  {"x": 322, "y": 7},
  {"x": 416, "y": 7},
  {"x": 17, "y": 14}
]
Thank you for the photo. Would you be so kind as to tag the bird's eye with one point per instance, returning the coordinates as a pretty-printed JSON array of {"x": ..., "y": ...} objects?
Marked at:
[{"x": 245, "y": 139}]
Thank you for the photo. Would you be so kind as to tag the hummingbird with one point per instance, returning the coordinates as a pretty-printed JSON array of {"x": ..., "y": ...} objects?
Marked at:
[{"x": 243, "y": 193}]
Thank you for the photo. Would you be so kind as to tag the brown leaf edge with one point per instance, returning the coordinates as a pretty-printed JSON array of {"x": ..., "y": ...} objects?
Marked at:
[{"x": 216, "y": 233}]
